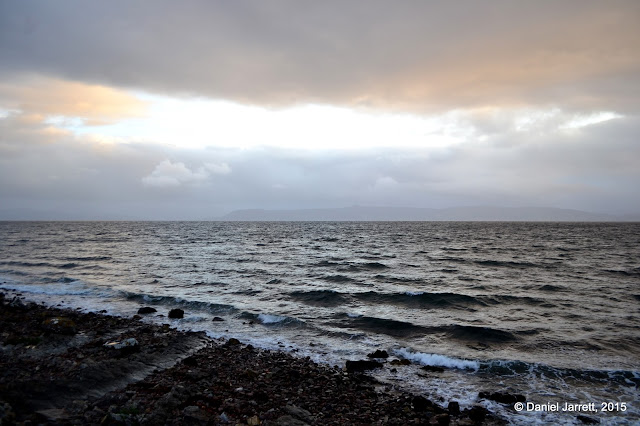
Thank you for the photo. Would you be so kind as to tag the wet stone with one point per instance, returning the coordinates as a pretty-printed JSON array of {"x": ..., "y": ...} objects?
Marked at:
[{"x": 176, "y": 313}]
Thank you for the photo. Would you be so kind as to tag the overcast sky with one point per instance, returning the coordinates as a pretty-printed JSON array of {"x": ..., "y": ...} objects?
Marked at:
[{"x": 191, "y": 109}]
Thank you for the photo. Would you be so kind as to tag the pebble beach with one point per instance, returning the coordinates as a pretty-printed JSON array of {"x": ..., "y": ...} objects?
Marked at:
[{"x": 66, "y": 367}]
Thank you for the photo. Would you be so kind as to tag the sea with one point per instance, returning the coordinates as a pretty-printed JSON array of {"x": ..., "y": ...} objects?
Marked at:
[{"x": 547, "y": 310}]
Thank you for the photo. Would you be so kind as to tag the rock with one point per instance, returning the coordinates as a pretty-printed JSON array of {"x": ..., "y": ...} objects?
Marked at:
[
  {"x": 432, "y": 368},
  {"x": 400, "y": 362},
  {"x": 176, "y": 313},
  {"x": 217, "y": 319},
  {"x": 250, "y": 374},
  {"x": 52, "y": 414},
  {"x": 587, "y": 420},
  {"x": 477, "y": 413},
  {"x": 354, "y": 366},
  {"x": 502, "y": 397},
  {"x": 253, "y": 421},
  {"x": 7, "y": 415},
  {"x": 453, "y": 408},
  {"x": 124, "y": 347},
  {"x": 420, "y": 403},
  {"x": 60, "y": 325},
  {"x": 232, "y": 342},
  {"x": 299, "y": 413},
  {"x": 441, "y": 419},
  {"x": 147, "y": 310},
  {"x": 378, "y": 354},
  {"x": 193, "y": 412},
  {"x": 290, "y": 421},
  {"x": 190, "y": 361}
]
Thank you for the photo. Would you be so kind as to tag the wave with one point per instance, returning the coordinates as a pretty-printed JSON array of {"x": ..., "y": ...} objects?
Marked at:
[
  {"x": 436, "y": 360},
  {"x": 508, "y": 299},
  {"x": 28, "y": 264},
  {"x": 474, "y": 333},
  {"x": 67, "y": 265},
  {"x": 549, "y": 287},
  {"x": 326, "y": 263},
  {"x": 63, "y": 287},
  {"x": 507, "y": 263},
  {"x": 374, "y": 265},
  {"x": 544, "y": 372},
  {"x": 88, "y": 258},
  {"x": 271, "y": 319},
  {"x": 420, "y": 299},
  {"x": 380, "y": 325},
  {"x": 178, "y": 301},
  {"x": 319, "y": 297},
  {"x": 337, "y": 278},
  {"x": 632, "y": 273},
  {"x": 387, "y": 278}
]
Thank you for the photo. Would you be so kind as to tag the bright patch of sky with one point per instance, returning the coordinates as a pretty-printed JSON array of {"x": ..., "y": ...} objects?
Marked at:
[
  {"x": 200, "y": 123},
  {"x": 586, "y": 120}
]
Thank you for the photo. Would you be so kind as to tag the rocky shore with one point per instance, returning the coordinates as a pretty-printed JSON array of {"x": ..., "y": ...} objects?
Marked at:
[{"x": 66, "y": 367}]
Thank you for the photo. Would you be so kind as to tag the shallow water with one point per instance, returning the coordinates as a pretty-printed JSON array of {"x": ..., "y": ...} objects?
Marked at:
[{"x": 548, "y": 310}]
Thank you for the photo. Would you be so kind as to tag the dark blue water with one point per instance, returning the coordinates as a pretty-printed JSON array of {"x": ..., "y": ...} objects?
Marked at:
[{"x": 549, "y": 310}]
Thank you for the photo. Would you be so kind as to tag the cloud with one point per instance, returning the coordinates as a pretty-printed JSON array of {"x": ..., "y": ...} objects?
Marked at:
[
  {"x": 569, "y": 168},
  {"x": 168, "y": 174},
  {"x": 517, "y": 103},
  {"x": 65, "y": 100},
  {"x": 415, "y": 56},
  {"x": 218, "y": 168}
]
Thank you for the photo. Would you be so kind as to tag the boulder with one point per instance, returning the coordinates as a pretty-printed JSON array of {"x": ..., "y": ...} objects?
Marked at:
[
  {"x": 176, "y": 313},
  {"x": 420, "y": 403},
  {"x": 378, "y": 354},
  {"x": 147, "y": 310},
  {"x": 359, "y": 366},
  {"x": 453, "y": 408},
  {"x": 216, "y": 319}
]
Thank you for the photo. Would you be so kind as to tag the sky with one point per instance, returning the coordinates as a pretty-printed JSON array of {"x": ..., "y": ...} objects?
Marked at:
[{"x": 189, "y": 110}]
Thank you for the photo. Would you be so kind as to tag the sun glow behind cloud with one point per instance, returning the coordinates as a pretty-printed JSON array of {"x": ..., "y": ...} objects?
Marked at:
[{"x": 199, "y": 123}]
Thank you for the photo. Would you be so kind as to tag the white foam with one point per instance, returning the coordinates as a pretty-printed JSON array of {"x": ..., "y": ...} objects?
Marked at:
[
  {"x": 74, "y": 288},
  {"x": 437, "y": 360},
  {"x": 353, "y": 315},
  {"x": 270, "y": 319},
  {"x": 414, "y": 293}
]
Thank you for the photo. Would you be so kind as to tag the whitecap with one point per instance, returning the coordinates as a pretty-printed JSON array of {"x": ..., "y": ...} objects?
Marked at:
[{"x": 437, "y": 360}]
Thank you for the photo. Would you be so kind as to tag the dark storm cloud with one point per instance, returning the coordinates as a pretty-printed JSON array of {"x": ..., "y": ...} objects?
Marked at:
[{"x": 412, "y": 55}]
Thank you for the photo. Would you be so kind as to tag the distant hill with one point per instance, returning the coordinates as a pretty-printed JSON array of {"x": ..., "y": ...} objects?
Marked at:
[{"x": 481, "y": 213}]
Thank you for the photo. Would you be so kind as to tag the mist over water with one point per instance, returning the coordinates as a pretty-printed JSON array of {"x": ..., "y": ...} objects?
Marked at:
[{"x": 548, "y": 310}]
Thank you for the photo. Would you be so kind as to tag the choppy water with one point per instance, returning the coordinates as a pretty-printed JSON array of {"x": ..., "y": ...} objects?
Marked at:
[{"x": 548, "y": 310}]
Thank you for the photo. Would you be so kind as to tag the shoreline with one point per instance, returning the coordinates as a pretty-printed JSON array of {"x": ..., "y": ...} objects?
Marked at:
[{"x": 62, "y": 366}]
